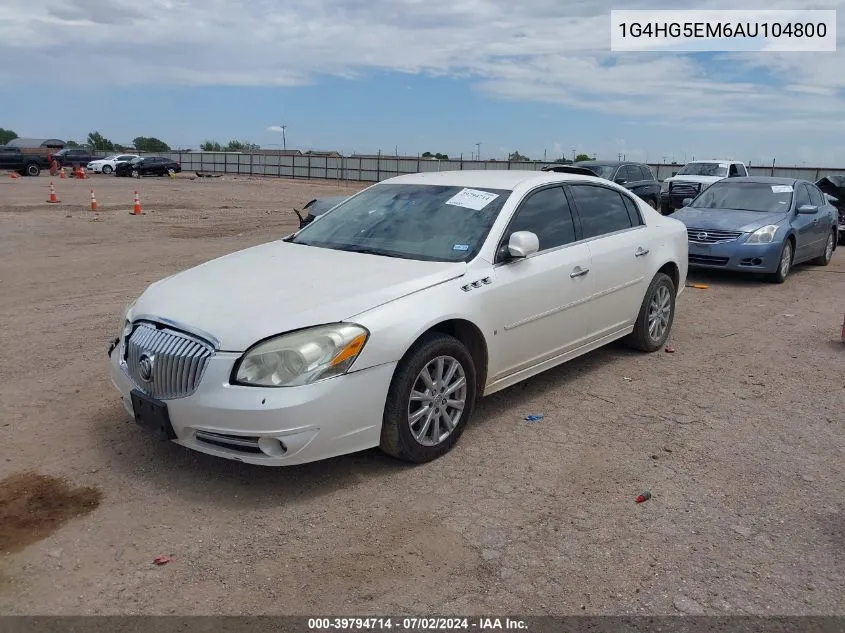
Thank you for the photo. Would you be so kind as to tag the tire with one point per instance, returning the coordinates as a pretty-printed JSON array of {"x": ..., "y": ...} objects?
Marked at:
[
  {"x": 827, "y": 255},
  {"x": 665, "y": 209},
  {"x": 658, "y": 306},
  {"x": 784, "y": 264},
  {"x": 107, "y": 169},
  {"x": 415, "y": 442},
  {"x": 654, "y": 204},
  {"x": 32, "y": 169}
]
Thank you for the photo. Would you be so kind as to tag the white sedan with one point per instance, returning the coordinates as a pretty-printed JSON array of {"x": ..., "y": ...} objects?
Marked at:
[
  {"x": 106, "y": 165},
  {"x": 382, "y": 322}
]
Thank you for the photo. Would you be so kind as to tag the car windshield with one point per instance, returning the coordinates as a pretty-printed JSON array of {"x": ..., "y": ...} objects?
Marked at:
[
  {"x": 704, "y": 169},
  {"x": 745, "y": 196},
  {"x": 412, "y": 221},
  {"x": 602, "y": 171}
]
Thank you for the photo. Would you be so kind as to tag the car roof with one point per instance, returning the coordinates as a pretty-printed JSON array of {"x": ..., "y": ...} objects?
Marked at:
[
  {"x": 764, "y": 180},
  {"x": 489, "y": 178}
]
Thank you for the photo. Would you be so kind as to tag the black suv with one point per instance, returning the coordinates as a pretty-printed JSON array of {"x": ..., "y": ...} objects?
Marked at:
[
  {"x": 637, "y": 177},
  {"x": 72, "y": 157}
]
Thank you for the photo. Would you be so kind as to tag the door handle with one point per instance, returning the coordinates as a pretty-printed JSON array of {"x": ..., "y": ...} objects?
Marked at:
[
  {"x": 641, "y": 251},
  {"x": 579, "y": 272}
]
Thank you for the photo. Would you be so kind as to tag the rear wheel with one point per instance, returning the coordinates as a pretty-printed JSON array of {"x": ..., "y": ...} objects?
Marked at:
[
  {"x": 32, "y": 169},
  {"x": 431, "y": 397},
  {"x": 827, "y": 255},
  {"x": 107, "y": 169},
  {"x": 657, "y": 312},
  {"x": 784, "y": 265}
]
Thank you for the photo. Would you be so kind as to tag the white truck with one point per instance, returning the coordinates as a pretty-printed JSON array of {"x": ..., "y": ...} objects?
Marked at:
[{"x": 695, "y": 177}]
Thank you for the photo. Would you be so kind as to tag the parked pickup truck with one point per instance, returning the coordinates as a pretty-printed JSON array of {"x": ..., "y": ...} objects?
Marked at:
[
  {"x": 72, "y": 157},
  {"x": 25, "y": 163}
]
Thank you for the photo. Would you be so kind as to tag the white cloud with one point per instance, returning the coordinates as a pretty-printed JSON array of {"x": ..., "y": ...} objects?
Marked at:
[{"x": 544, "y": 50}]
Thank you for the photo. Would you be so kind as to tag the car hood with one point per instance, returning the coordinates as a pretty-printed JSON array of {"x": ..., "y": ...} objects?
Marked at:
[
  {"x": 703, "y": 179},
  {"x": 277, "y": 287},
  {"x": 726, "y": 219}
]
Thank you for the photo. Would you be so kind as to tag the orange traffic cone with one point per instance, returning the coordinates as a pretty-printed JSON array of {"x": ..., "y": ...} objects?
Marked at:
[
  {"x": 14, "y": 175},
  {"x": 136, "y": 208},
  {"x": 53, "y": 199},
  {"x": 62, "y": 176},
  {"x": 93, "y": 201}
]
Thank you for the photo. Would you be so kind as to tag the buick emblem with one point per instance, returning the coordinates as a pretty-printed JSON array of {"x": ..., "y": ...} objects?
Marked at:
[
  {"x": 145, "y": 367},
  {"x": 702, "y": 236}
]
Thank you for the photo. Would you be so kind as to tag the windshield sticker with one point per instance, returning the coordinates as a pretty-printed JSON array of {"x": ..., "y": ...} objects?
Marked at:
[
  {"x": 472, "y": 199},
  {"x": 781, "y": 188},
  {"x": 460, "y": 247},
  {"x": 723, "y": 165}
]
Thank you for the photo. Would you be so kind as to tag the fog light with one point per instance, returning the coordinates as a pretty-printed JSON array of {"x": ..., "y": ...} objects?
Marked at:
[{"x": 271, "y": 446}]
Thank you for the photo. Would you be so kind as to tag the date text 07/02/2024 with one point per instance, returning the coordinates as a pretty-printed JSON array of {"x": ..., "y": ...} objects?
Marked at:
[{"x": 416, "y": 624}]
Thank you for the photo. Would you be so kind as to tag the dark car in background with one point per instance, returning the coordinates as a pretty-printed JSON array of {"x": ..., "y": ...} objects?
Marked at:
[
  {"x": 758, "y": 224},
  {"x": 24, "y": 163},
  {"x": 147, "y": 166},
  {"x": 834, "y": 188},
  {"x": 636, "y": 177},
  {"x": 74, "y": 157}
]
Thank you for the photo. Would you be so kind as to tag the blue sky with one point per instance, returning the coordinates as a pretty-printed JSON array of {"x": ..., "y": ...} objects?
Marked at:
[{"x": 438, "y": 75}]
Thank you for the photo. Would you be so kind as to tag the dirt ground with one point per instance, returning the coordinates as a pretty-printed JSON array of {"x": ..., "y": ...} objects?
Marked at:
[{"x": 738, "y": 435}]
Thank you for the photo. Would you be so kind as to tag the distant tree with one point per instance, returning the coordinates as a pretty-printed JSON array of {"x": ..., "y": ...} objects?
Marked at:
[
  {"x": 427, "y": 155},
  {"x": 211, "y": 146},
  {"x": 240, "y": 146},
  {"x": 6, "y": 136},
  {"x": 72, "y": 144},
  {"x": 98, "y": 141},
  {"x": 517, "y": 157},
  {"x": 581, "y": 157},
  {"x": 150, "y": 144},
  {"x": 440, "y": 156}
]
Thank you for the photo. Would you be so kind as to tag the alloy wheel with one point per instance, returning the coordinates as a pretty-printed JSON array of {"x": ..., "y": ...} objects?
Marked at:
[{"x": 438, "y": 398}]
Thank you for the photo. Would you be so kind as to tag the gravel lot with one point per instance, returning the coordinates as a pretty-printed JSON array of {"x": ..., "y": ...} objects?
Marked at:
[{"x": 738, "y": 435}]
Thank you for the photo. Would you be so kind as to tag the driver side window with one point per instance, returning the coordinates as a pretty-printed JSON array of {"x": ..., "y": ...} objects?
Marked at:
[
  {"x": 545, "y": 213},
  {"x": 802, "y": 196}
]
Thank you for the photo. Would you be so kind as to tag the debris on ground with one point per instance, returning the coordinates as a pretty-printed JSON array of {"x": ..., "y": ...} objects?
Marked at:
[
  {"x": 670, "y": 349},
  {"x": 643, "y": 497},
  {"x": 161, "y": 560},
  {"x": 699, "y": 286},
  {"x": 625, "y": 378},
  {"x": 533, "y": 418}
]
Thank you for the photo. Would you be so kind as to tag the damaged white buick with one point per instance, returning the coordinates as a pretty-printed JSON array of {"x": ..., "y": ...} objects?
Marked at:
[{"x": 383, "y": 321}]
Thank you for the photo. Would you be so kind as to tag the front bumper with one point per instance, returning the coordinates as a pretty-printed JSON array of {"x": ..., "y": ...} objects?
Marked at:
[
  {"x": 299, "y": 424},
  {"x": 738, "y": 256}
]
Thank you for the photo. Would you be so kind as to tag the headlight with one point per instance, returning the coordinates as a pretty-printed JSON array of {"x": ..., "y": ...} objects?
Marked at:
[
  {"x": 303, "y": 357},
  {"x": 664, "y": 186},
  {"x": 763, "y": 235}
]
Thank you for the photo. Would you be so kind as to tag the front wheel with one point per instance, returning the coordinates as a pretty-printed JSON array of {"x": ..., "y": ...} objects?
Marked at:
[
  {"x": 784, "y": 265},
  {"x": 107, "y": 169},
  {"x": 431, "y": 397},
  {"x": 654, "y": 204},
  {"x": 32, "y": 169},
  {"x": 657, "y": 312},
  {"x": 827, "y": 255}
]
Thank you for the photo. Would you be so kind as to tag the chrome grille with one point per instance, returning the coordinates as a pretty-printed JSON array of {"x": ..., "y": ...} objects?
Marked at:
[
  {"x": 711, "y": 236},
  {"x": 690, "y": 189},
  {"x": 177, "y": 365}
]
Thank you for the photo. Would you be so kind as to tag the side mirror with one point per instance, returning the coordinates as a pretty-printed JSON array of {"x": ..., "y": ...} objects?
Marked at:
[
  {"x": 620, "y": 181},
  {"x": 808, "y": 209},
  {"x": 687, "y": 202},
  {"x": 674, "y": 173},
  {"x": 522, "y": 244}
]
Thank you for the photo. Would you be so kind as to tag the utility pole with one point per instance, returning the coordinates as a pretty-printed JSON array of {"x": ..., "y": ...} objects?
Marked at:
[
  {"x": 284, "y": 139},
  {"x": 478, "y": 153},
  {"x": 544, "y": 156},
  {"x": 573, "y": 154}
]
